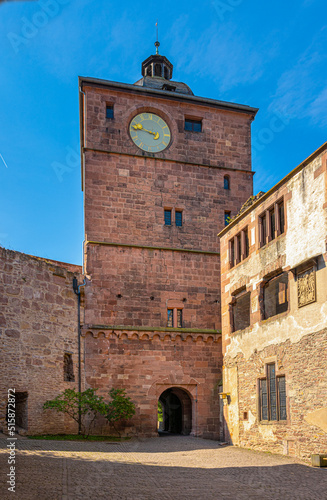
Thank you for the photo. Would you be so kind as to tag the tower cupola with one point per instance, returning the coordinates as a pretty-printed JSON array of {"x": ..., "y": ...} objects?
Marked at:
[{"x": 157, "y": 65}]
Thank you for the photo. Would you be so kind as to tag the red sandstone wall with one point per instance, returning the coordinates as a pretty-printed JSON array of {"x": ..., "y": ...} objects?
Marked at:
[
  {"x": 146, "y": 364},
  {"x": 38, "y": 323},
  {"x": 224, "y": 142},
  {"x": 125, "y": 199},
  {"x": 148, "y": 282}
]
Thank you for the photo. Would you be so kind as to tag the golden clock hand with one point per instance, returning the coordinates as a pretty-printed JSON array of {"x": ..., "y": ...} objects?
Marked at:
[{"x": 139, "y": 126}]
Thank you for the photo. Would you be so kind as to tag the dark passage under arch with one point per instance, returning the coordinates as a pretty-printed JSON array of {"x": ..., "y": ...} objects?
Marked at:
[{"x": 175, "y": 414}]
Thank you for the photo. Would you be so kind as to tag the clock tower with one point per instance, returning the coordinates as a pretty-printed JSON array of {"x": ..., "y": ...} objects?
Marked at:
[{"x": 162, "y": 171}]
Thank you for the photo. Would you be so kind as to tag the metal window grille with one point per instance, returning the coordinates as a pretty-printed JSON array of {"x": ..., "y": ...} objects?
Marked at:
[
  {"x": 178, "y": 218},
  {"x": 167, "y": 217}
]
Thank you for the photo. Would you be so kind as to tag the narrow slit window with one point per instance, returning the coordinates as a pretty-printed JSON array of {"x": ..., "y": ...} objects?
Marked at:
[
  {"x": 167, "y": 217},
  {"x": 226, "y": 182},
  {"x": 109, "y": 111},
  {"x": 178, "y": 218},
  {"x": 281, "y": 217},
  {"x": 68, "y": 368},
  {"x": 227, "y": 218},
  {"x": 170, "y": 314},
  {"x": 179, "y": 318},
  {"x": 272, "y": 223}
]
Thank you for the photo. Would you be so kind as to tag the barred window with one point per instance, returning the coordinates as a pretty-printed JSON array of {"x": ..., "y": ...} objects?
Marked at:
[
  {"x": 167, "y": 217},
  {"x": 178, "y": 218},
  {"x": 272, "y": 395}
]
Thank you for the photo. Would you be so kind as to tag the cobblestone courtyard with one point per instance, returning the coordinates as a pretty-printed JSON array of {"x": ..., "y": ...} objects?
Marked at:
[{"x": 172, "y": 467}]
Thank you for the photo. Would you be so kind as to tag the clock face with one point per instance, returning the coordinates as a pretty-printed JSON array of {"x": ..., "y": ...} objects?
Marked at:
[{"x": 149, "y": 132}]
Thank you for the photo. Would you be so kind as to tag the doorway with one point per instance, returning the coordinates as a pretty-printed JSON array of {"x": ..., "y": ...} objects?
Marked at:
[{"x": 175, "y": 412}]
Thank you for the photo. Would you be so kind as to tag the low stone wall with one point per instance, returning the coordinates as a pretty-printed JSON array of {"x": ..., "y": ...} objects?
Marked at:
[{"x": 38, "y": 325}]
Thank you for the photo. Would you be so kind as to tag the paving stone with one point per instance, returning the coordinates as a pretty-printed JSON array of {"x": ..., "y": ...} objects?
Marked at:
[{"x": 170, "y": 468}]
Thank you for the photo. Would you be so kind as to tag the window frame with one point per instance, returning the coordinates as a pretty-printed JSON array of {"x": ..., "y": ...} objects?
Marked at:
[
  {"x": 110, "y": 107},
  {"x": 271, "y": 222},
  {"x": 239, "y": 247},
  {"x": 176, "y": 316},
  {"x": 181, "y": 218},
  {"x": 227, "y": 182},
  {"x": 264, "y": 284},
  {"x": 279, "y": 395},
  {"x": 193, "y": 123},
  {"x": 170, "y": 212}
]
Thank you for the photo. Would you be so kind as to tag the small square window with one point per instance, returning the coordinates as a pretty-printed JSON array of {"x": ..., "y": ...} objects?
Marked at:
[
  {"x": 109, "y": 111},
  {"x": 193, "y": 125},
  {"x": 167, "y": 217},
  {"x": 178, "y": 218},
  {"x": 170, "y": 313}
]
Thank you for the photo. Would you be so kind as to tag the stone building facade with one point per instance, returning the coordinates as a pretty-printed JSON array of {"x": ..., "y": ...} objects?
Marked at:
[
  {"x": 152, "y": 214},
  {"x": 274, "y": 310},
  {"x": 38, "y": 339}
]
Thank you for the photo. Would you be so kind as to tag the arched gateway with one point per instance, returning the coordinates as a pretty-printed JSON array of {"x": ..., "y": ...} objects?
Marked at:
[{"x": 175, "y": 412}]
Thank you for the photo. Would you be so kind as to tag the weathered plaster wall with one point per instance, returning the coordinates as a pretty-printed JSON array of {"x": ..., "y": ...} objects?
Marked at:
[
  {"x": 295, "y": 339},
  {"x": 38, "y": 324}
]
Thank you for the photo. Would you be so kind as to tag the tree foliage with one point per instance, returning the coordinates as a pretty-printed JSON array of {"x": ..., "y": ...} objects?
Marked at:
[{"x": 89, "y": 405}]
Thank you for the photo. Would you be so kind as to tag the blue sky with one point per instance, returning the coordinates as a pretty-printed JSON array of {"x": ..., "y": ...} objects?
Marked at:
[{"x": 270, "y": 55}]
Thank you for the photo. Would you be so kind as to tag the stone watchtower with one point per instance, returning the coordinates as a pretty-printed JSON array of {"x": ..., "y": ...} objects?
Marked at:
[{"x": 162, "y": 170}]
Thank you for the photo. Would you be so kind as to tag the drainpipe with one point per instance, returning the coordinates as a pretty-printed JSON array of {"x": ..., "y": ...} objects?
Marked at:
[{"x": 77, "y": 291}]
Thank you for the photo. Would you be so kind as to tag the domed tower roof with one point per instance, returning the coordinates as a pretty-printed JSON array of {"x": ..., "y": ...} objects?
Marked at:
[{"x": 157, "y": 72}]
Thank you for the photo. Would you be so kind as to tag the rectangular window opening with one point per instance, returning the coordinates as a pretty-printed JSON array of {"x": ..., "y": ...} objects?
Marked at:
[
  {"x": 68, "y": 368},
  {"x": 109, "y": 111},
  {"x": 227, "y": 217},
  {"x": 178, "y": 218},
  {"x": 179, "y": 318},
  {"x": 170, "y": 314},
  {"x": 167, "y": 217},
  {"x": 275, "y": 296},
  {"x": 193, "y": 125},
  {"x": 241, "y": 312},
  {"x": 271, "y": 223},
  {"x": 272, "y": 395}
]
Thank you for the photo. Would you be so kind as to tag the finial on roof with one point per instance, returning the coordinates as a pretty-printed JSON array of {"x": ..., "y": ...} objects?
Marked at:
[{"x": 156, "y": 43}]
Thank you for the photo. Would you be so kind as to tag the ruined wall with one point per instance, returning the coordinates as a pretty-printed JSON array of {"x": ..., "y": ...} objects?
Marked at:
[
  {"x": 294, "y": 340},
  {"x": 38, "y": 324},
  {"x": 148, "y": 363}
]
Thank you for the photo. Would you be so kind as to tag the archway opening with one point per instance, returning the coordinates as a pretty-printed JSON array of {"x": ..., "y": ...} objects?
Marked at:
[{"x": 174, "y": 412}]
